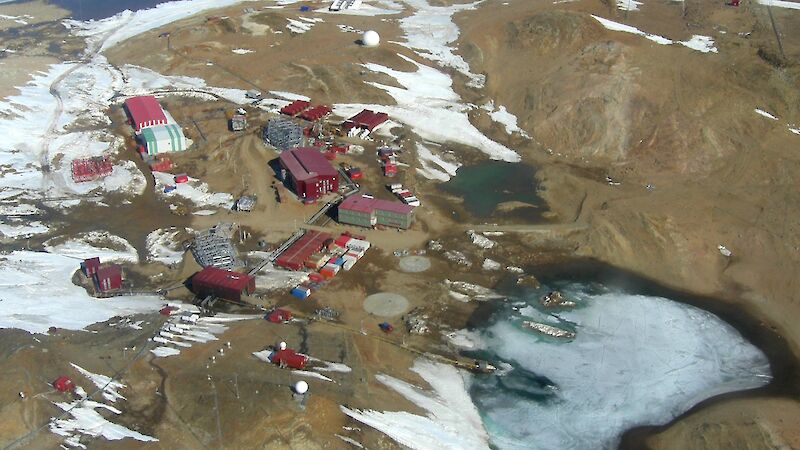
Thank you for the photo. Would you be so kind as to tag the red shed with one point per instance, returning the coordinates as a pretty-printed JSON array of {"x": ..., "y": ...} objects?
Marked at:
[
  {"x": 108, "y": 278},
  {"x": 64, "y": 384},
  {"x": 293, "y": 257},
  {"x": 289, "y": 358},
  {"x": 309, "y": 173},
  {"x": 90, "y": 266},
  {"x": 145, "y": 112},
  {"x": 223, "y": 283},
  {"x": 295, "y": 108}
]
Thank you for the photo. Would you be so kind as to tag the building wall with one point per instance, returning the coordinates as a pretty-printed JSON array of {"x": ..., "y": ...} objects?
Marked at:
[
  {"x": 394, "y": 219},
  {"x": 357, "y": 218}
]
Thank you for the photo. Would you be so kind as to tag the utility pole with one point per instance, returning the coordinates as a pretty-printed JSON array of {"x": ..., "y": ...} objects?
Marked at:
[{"x": 775, "y": 29}]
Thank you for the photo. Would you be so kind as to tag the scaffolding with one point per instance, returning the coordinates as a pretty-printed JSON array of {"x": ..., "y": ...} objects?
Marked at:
[
  {"x": 283, "y": 134},
  {"x": 213, "y": 248}
]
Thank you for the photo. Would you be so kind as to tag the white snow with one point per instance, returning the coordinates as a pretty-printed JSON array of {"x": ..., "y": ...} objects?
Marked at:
[
  {"x": 185, "y": 328},
  {"x": 104, "y": 383},
  {"x": 505, "y": 118},
  {"x": 195, "y": 191},
  {"x": 628, "y": 5},
  {"x": 704, "y": 44},
  {"x": 163, "y": 245},
  {"x": 299, "y": 26},
  {"x": 273, "y": 278},
  {"x": 331, "y": 366},
  {"x": 451, "y": 422},
  {"x": 761, "y": 112},
  {"x": 466, "y": 340},
  {"x": 350, "y": 441},
  {"x": 104, "y": 34},
  {"x": 780, "y": 4},
  {"x": 22, "y": 230},
  {"x": 724, "y": 251},
  {"x": 428, "y": 159},
  {"x": 388, "y": 7},
  {"x": 636, "y": 360},
  {"x": 290, "y": 96},
  {"x": 87, "y": 421},
  {"x": 106, "y": 246},
  {"x": 490, "y": 264},
  {"x": 242, "y": 51},
  {"x": 428, "y": 104},
  {"x": 14, "y": 209},
  {"x": 795, "y": 130},
  {"x": 700, "y": 43},
  {"x": 480, "y": 240},
  {"x": 37, "y": 292},
  {"x": 430, "y": 30},
  {"x": 306, "y": 373}
]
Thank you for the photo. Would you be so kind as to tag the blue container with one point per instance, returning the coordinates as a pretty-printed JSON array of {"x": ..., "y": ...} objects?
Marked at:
[
  {"x": 339, "y": 261},
  {"x": 302, "y": 294},
  {"x": 305, "y": 9},
  {"x": 169, "y": 188}
]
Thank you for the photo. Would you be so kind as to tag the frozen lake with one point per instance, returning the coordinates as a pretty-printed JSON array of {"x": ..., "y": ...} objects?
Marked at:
[{"x": 636, "y": 360}]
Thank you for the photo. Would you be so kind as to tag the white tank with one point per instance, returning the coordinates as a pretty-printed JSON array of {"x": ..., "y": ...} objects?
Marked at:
[
  {"x": 282, "y": 346},
  {"x": 370, "y": 38},
  {"x": 301, "y": 387}
]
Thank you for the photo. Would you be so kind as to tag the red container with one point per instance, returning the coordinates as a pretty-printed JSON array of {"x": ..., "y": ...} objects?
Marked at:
[
  {"x": 182, "y": 178},
  {"x": 316, "y": 278}
]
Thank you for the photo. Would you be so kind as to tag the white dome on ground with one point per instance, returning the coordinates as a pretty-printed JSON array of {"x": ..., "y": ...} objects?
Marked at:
[
  {"x": 301, "y": 387},
  {"x": 370, "y": 38},
  {"x": 282, "y": 346}
]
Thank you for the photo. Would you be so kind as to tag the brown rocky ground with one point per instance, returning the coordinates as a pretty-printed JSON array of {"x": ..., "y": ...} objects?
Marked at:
[{"x": 606, "y": 103}]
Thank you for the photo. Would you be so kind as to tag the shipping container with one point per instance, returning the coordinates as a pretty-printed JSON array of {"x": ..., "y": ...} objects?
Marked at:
[
  {"x": 356, "y": 244},
  {"x": 181, "y": 178},
  {"x": 169, "y": 188},
  {"x": 301, "y": 292}
]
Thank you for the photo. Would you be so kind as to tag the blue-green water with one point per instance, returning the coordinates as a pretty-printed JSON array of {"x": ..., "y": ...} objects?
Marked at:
[{"x": 485, "y": 185}]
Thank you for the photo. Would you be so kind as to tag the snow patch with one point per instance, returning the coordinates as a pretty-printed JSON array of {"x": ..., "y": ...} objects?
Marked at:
[
  {"x": 761, "y": 112},
  {"x": 452, "y": 421},
  {"x": 164, "y": 246},
  {"x": 106, "y": 246},
  {"x": 490, "y": 264},
  {"x": 106, "y": 384},
  {"x": 242, "y": 51},
  {"x": 780, "y": 4},
  {"x": 704, "y": 44},
  {"x": 195, "y": 191},
  {"x": 428, "y": 159},
  {"x": 480, "y": 240}
]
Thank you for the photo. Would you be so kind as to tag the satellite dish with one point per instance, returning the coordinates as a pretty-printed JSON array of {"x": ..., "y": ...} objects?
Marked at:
[
  {"x": 301, "y": 387},
  {"x": 370, "y": 39},
  {"x": 282, "y": 346}
]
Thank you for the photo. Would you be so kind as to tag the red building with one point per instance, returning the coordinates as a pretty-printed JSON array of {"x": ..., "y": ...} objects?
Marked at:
[
  {"x": 315, "y": 113},
  {"x": 295, "y": 108},
  {"x": 293, "y": 257},
  {"x": 223, "y": 283},
  {"x": 108, "y": 278},
  {"x": 64, "y": 384},
  {"x": 365, "y": 120},
  {"x": 90, "y": 266},
  {"x": 145, "y": 112},
  {"x": 309, "y": 173},
  {"x": 289, "y": 358}
]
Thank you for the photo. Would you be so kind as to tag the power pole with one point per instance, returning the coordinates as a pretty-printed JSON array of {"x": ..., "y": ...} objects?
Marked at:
[{"x": 775, "y": 29}]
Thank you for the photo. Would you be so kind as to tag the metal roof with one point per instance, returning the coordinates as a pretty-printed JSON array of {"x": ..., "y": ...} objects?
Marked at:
[
  {"x": 145, "y": 109},
  {"x": 367, "y": 205},
  {"x": 307, "y": 162},
  {"x": 212, "y": 276},
  {"x": 160, "y": 133}
]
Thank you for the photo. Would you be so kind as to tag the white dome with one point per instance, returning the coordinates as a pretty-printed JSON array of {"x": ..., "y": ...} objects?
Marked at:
[
  {"x": 301, "y": 387},
  {"x": 370, "y": 38},
  {"x": 282, "y": 346}
]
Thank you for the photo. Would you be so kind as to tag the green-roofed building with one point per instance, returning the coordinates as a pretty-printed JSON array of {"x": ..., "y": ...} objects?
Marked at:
[{"x": 164, "y": 139}]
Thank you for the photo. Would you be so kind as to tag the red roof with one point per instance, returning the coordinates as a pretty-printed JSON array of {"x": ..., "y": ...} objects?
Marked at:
[
  {"x": 212, "y": 276},
  {"x": 64, "y": 384},
  {"x": 279, "y": 316},
  {"x": 108, "y": 277},
  {"x": 366, "y": 119},
  {"x": 90, "y": 168},
  {"x": 306, "y": 162},
  {"x": 90, "y": 266},
  {"x": 367, "y": 205},
  {"x": 295, "y": 107},
  {"x": 145, "y": 111},
  {"x": 289, "y": 358},
  {"x": 316, "y": 113},
  {"x": 294, "y": 256}
]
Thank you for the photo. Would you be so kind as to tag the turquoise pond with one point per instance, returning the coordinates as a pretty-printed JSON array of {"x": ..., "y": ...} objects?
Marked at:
[{"x": 485, "y": 185}]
